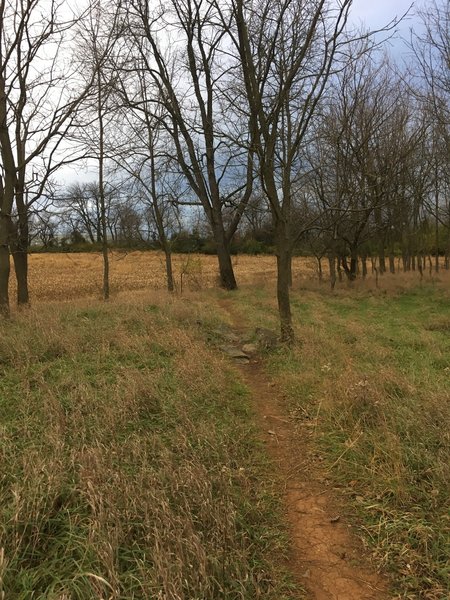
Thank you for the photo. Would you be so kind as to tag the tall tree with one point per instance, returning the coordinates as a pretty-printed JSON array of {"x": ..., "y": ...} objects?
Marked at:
[
  {"x": 36, "y": 111},
  {"x": 182, "y": 49},
  {"x": 286, "y": 53},
  {"x": 98, "y": 49}
]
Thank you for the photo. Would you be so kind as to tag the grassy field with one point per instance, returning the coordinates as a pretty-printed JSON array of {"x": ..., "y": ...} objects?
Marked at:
[
  {"x": 369, "y": 383},
  {"x": 130, "y": 465}
]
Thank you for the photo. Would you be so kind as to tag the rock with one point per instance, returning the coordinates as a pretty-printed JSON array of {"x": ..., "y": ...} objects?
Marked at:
[
  {"x": 267, "y": 338},
  {"x": 234, "y": 352},
  {"x": 250, "y": 348}
]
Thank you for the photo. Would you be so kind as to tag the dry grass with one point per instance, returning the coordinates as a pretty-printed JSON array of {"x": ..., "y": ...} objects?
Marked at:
[
  {"x": 368, "y": 383},
  {"x": 130, "y": 467}
]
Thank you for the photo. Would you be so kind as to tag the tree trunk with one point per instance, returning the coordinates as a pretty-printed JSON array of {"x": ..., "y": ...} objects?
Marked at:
[
  {"x": 101, "y": 185},
  {"x": 20, "y": 258},
  {"x": 19, "y": 244},
  {"x": 382, "y": 260},
  {"x": 339, "y": 270},
  {"x": 19, "y": 251},
  {"x": 332, "y": 265},
  {"x": 284, "y": 261},
  {"x": 351, "y": 270},
  {"x": 4, "y": 279},
  {"x": 364, "y": 266},
  {"x": 391, "y": 263},
  {"x": 226, "y": 272},
  {"x": 169, "y": 270},
  {"x": 319, "y": 268},
  {"x": 284, "y": 304}
]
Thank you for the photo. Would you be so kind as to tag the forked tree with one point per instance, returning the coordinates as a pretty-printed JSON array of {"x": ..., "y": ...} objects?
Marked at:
[
  {"x": 182, "y": 49},
  {"x": 286, "y": 51}
]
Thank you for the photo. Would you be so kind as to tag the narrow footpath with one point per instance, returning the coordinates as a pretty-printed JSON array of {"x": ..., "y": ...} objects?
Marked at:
[{"x": 327, "y": 559}]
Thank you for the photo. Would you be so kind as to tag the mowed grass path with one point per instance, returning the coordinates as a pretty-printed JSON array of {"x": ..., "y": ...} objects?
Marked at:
[
  {"x": 369, "y": 383},
  {"x": 130, "y": 468}
]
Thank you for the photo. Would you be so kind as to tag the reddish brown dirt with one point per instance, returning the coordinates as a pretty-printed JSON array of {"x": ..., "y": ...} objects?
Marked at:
[{"x": 327, "y": 558}]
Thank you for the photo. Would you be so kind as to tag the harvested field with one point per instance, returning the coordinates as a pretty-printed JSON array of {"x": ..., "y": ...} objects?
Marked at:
[{"x": 69, "y": 276}]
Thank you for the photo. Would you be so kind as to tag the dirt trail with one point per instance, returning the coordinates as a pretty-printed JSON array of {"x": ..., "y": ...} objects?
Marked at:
[{"x": 327, "y": 559}]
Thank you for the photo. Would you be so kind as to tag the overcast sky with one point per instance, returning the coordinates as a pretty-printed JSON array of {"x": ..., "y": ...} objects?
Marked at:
[
  {"x": 372, "y": 14},
  {"x": 376, "y": 13}
]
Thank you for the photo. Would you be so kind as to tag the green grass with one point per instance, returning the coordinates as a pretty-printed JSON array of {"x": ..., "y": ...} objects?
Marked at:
[
  {"x": 130, "y": 464},
  {"x": 372, "y": 373}
]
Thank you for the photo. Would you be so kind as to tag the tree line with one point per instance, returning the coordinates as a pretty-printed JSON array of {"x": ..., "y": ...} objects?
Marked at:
[{"x": 278, "y": 120}]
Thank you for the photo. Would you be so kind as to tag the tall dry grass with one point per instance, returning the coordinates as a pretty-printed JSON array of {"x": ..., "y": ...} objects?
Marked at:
[{"x": 129, "y": 462}]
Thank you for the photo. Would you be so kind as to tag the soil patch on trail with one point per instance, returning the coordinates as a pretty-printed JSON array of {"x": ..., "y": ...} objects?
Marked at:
[{"x": 328, "y": 560}]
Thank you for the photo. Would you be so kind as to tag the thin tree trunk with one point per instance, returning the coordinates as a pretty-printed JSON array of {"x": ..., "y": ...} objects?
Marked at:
[
  {"x": 101, "y": 185},
  {"x": 382, "y": 260},
  {"x": 332, "y": 265},
  {"x": 319, "y": 268},
  {"x": 169, "y": 270},
  {"x": 284, "y": 260},
  {"x": 364, "y": 266},
  {"x": 391, "y": 263},
  {"x": 339, "y": 270},
  {"x": 284, "y": 304},
  {"x": 350, "y": 271},
  {"x": 4, "y": 277},
  {"x": 436, "y": 221}
]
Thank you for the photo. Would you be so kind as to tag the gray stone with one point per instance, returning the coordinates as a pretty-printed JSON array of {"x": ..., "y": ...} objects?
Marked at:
[
  {"x": 267, "y": 338},
  {"x": 234, "y": 352}
]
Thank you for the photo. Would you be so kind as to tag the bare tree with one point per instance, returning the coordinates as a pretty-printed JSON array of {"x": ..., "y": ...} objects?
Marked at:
[
  {"x": 188, "y": 72},
  {"x": 80, "y": 206},
  {"x": 36, "y": 111},
  {"x": 98, "y": 36},
  {"x": 147, "y": 156},
  {"x": 286, "y": 54},
  {"x": 431, "y": 49}
]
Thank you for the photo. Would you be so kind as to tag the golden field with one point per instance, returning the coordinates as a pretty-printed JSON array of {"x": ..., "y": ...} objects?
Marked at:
[{"x": 70, "y": 276}]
